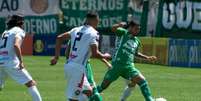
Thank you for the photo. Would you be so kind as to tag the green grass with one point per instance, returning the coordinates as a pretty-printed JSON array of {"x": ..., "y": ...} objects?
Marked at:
[{"x": 174, "y": 84}]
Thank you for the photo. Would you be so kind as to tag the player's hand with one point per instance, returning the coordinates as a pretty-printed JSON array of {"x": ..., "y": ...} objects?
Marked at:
[
  {"x": 152, "y": 58},
  {"x": 107, "y": 64},
  {"x": 53, "y": 61},
  {"x": 21, "y": 66},
  {"x": 107, "y": 56}
]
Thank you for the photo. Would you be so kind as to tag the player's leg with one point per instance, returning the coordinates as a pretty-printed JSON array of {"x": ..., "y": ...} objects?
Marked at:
[
  {"x": 127, "y": 90},
  {"x": 95, "y": 96},
  {"x": 71, "y": 93},
  {"x": 110, "y": 76},
  {"x": 136, "y": 77},
  {"x": 86, "y": 90},
  {"x": 33, "y": 90},
  {"x": 141, "y": 81},
  {"x": 78, "y": 87},
  {"x": 3, "y": 76},
  {"x": 23, "y": 77}
]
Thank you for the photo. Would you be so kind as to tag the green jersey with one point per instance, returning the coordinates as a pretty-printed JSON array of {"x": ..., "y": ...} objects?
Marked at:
[{"x": 127, "y": 47}]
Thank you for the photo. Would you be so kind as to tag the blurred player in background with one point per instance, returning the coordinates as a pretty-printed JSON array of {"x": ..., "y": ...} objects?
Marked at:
[
  {"x": 122, "y": 61},
  {"x": 11, "y": 62},
  {"x": 84, "y": 42}
]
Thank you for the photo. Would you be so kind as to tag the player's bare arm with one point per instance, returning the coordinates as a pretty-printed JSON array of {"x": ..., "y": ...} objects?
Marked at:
[
  {"x": 18, "y": 51},
  {"x": 115, "y": 26},
  {"x": 143, "y": 56},
  {"x": 97, "y": 54},
  {"x": 60, "y": 39},
  {"x": 67, "y": 51}
]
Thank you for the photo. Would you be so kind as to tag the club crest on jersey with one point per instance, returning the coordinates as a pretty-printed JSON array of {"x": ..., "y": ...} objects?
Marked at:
[{"x": 77, "y": 92}]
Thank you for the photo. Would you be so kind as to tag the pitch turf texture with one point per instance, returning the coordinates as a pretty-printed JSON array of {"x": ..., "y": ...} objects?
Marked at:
[{"x": 174, "y": 84}]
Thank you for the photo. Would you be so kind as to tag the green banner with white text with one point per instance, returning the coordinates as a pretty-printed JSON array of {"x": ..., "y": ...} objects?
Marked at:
[
  {"x": 41, "y": 16},
  {"x": 48, "y": 24},
  {"x": 179, "y": 19},
  {"x": 110, "y": 11}
]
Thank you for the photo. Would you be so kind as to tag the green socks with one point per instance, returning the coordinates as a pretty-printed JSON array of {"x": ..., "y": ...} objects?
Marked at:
[{"x": 145, "y": 90}]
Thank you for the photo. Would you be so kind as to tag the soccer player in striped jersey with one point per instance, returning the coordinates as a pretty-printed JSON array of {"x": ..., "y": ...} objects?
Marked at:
[{"x": 122, "y": 61}]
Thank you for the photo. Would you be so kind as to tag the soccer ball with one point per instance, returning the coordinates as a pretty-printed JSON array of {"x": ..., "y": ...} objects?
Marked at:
[{"x": 160, "y": 99}]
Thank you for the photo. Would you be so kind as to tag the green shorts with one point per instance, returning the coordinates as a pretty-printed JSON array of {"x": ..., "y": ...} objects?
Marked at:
[{"x": 126, "y": 71}]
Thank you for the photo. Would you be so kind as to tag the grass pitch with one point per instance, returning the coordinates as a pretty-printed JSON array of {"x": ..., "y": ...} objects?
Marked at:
[{"x": 174, "y": 84}]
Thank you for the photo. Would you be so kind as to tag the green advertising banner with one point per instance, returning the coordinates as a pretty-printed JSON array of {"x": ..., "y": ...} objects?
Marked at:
[
  {"x": 110, "y": 11},
  {"x": 144, "y": 18},
  {"x": 42, "y": 24},
  {"x": 37, "y": 24},
  {"x": 2, "y": 25},
  {"x": 41, "y": 16},
  {"x": 179, "y": 19},
  {"x": 140, "y": 10}
]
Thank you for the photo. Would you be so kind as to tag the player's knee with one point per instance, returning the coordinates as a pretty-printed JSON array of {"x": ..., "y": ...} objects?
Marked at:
[
  {"x": 30, "y": 83},
  {"x": 142, "y": 83},
  {"x": 105, "y": 84},
  {"x": 137, "y": 79}
]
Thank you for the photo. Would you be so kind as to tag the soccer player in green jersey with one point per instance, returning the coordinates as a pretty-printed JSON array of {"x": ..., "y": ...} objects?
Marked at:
[{"x": 122, "y": 61}]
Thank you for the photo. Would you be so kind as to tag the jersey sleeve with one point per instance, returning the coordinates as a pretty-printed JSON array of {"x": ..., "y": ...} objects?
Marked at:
[
  {"x": 71, "y": 31},
  {"x": 139, "y": 44},
  {"x": 20, "y": 34},
  {"x": 94, "y": 40},
  {"x": 120, "y": 31}
]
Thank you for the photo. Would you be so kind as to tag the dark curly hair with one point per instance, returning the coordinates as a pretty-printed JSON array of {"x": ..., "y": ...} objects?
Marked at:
[{"x": 15, "y": 20}]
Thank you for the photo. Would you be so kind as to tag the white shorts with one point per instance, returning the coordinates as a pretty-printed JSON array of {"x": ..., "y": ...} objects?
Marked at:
[
  {"x": 77, "y": 80},
  {"x": 21, "y": 76}
]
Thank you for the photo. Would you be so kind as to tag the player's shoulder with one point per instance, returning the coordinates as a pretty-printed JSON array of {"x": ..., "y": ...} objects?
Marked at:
[
  {"x": 92, "y": 31},
  {"x": 138, "y": 40},
  {"x": 5, "y": 31},
  {"x": 75, "y": 29},
  {"x": 122, "y": 29},
  {"x": 17, "y": 30}
]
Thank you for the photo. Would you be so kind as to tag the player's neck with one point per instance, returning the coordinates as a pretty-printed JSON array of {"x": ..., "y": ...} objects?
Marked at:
[{"x": 90, "y": 25}]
